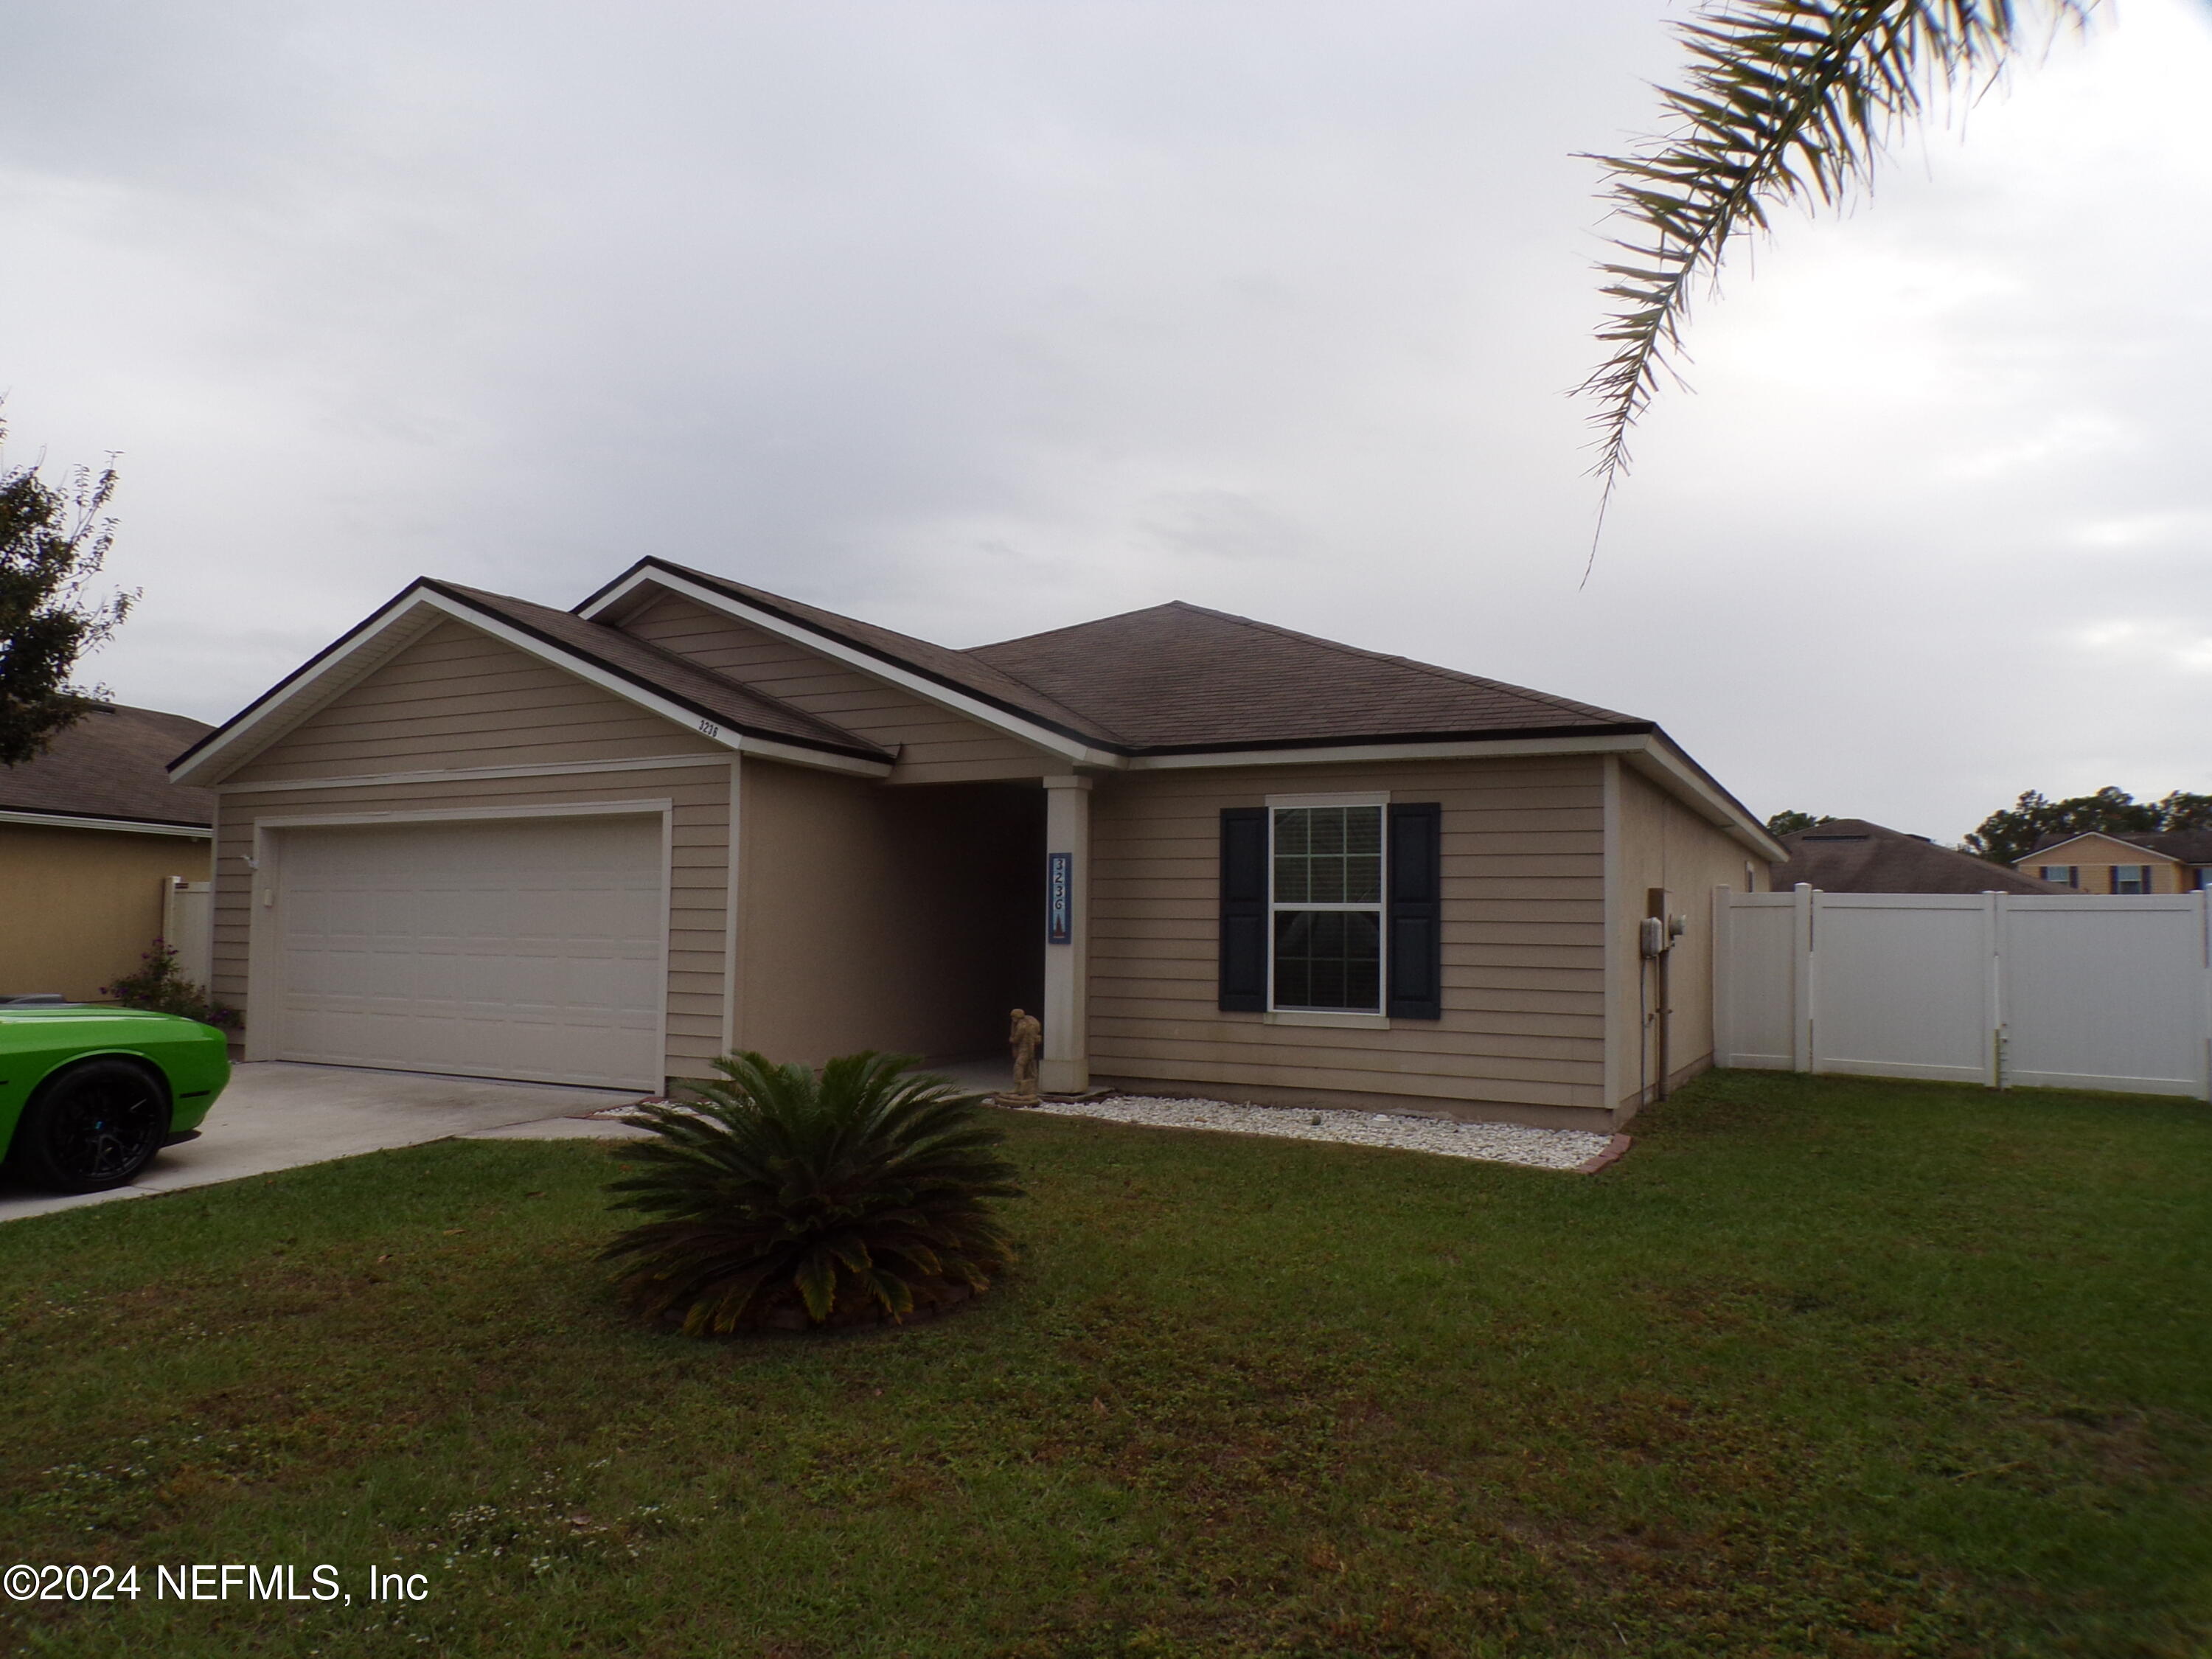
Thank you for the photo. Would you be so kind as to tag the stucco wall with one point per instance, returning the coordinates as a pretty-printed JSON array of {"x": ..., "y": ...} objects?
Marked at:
[
  {"x": 907, "y": 919},
  {"x": 79, "y": 907}
]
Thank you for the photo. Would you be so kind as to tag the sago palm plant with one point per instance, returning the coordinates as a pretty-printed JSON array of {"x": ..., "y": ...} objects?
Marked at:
[{"x": 786, "y": 1198}]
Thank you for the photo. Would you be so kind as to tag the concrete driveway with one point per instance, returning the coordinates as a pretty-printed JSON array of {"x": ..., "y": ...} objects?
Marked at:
[{"x": 276, "y": 1116}]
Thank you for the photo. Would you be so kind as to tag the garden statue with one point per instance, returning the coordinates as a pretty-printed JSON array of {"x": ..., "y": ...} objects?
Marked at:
[{"x": 1024, "y": 1035}]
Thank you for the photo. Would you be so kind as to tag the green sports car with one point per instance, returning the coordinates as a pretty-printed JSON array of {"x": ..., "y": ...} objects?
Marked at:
[{"x": 87, "y": 1096}]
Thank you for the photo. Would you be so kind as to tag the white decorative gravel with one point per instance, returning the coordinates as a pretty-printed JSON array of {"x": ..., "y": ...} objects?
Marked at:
[{"x": 1498, "y": 1143}]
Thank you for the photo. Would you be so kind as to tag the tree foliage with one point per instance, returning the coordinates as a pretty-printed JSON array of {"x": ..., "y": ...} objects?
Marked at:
[
  {"x": 1782, "y": 101},
  {"x": 2010, "y": 835},
  {"x": 52, "y": 544},
  {"x": 1789, "y": 821},
  {"x": 784, "y": 1199},
  {"x": 158, "y": 985}
]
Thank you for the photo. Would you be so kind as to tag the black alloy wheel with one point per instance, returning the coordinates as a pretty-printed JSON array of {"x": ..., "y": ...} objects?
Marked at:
[{"x": 92, "y": 1128}]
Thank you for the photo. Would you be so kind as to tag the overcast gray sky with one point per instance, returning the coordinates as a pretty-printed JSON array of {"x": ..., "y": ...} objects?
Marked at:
[{"x": 976, "y": 319}]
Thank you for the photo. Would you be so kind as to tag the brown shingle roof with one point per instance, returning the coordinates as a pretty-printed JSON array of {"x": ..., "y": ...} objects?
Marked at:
[
  {"x": 957, "y": 670},
  {"x": 1179, "y": 676},
  {"x": 1850, "y": 855},
  {"x": 111, "y": 764},
  {"x": 722, "y": 700}
]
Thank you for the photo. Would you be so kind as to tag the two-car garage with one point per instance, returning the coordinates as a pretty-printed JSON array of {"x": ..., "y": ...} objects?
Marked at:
[{"x": 532, "y": 947}]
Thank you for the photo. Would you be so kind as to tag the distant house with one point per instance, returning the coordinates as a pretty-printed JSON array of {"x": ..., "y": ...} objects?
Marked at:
[
  {"x": 2131, "y": 861},
  {"x": 1850, "y": 855},
  {"x": 90, "y": 834}
]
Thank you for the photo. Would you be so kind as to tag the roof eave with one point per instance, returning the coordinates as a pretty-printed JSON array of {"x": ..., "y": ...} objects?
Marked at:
[
  {"x": 388, "y": 628},
  {"x": 1077, "y": 747},
  {"x": 63, "y": 818}
]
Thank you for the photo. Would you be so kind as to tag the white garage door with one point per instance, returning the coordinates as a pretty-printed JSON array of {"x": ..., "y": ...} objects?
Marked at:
[{"x": 520, "y": 948}]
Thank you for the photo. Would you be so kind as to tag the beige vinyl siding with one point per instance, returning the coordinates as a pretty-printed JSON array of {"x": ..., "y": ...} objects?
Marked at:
[
  {"x": 1664, "y": 844},
  {"x": 457, "y": 697},
  {"x": 698, "y": 897},
  {"x": 933, "y": 745},
  {"x": 899, "y": 920},
  {"x": 1523, "y": 939}
]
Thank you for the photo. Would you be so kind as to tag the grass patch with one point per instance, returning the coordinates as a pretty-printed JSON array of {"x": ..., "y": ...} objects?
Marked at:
[{"x": 1826, "y": 1366}]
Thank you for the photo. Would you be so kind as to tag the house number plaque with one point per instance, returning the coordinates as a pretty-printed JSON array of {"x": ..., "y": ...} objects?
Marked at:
[{"x": 1060, "y": 878}]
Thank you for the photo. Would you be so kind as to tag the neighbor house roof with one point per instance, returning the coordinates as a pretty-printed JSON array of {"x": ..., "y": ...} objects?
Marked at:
[
  {"x": 2181, "y": 846},
  {"x": 1850, "y": 855},
  {"x": 109, "y": 766}
]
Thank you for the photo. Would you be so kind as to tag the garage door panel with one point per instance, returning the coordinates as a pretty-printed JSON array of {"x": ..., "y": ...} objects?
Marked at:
[{"x": 530, "y": 948}]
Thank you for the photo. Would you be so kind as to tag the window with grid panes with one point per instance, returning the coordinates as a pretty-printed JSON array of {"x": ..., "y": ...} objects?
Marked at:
[{"x": 1326, "y": 904}]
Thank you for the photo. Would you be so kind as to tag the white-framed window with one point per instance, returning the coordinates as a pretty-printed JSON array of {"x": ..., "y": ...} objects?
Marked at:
[
  {"x": 2131, "y": 878},
  {"x": 2065, "y": 875},
  {"x": 1325, "y": 902}
]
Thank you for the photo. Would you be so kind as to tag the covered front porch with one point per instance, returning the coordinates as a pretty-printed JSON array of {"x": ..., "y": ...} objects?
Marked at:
[{"x": 913, "y": 918}]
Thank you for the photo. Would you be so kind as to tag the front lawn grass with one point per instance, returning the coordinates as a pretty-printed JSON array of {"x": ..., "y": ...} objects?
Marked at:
[{"x": 1826, "y": 1366}]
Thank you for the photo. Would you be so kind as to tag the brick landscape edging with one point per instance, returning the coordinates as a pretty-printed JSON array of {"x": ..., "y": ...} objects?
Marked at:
[{"x": 1615, "y": 1150}]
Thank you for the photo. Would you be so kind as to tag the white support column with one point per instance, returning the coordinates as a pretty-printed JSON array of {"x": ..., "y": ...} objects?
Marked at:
[
  {"x": 1723, "y": 938},
  {"x": 1063, "y": 1068},
  {"x": 1993, "y": 912},
  {"x": 1803, "y": 1053}
]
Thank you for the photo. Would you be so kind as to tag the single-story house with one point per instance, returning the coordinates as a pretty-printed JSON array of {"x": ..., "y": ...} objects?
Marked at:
[
  {"x": 2125, "y": 861},
  {"x": 92, "y": 836},
  {"x": 602, "y": 845},
  {"x": 1852, "y": 855}
]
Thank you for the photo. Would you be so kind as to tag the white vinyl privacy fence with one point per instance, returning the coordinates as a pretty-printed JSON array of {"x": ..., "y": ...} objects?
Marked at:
[
  {"x": 2078, "y": 991},
  {"x": 188, "y": 925}
]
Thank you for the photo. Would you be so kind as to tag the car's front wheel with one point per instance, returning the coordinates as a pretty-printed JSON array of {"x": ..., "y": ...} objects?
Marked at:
[{"x": 92, "y": 1126}]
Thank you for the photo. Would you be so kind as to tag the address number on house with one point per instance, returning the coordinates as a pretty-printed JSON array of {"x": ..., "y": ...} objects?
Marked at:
[{"x": 1060, "y": 879}]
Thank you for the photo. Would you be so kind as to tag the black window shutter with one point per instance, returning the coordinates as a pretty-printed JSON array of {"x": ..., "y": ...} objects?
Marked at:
[
  {"x": 1244, "y": 909},
  {"x": 1416, "y": 920}
]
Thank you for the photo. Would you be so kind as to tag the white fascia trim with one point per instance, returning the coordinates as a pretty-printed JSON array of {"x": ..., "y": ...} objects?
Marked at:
[
  {"x": 797, "y": 755},
  {"x": 626, "y": 809},
  {"x": 1365, "y": 797},
  {"x": 1667, "y": 767},
  {"x": 928, "y": 690},
  {"x": 72, "y": 821},
  {"x": 333, "y": 677},
  {"x": 1354, "y": 753},
  {"x": 1652, "y": 755},
  {"x": 385, "y": 634},
  {"x": 473, "y": 774}
]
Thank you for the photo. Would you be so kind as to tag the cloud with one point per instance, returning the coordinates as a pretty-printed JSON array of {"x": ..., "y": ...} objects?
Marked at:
[{"x": 982, "y": 318}]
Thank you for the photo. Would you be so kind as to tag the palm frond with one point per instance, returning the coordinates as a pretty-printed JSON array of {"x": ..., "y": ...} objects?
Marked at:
[{"x": 1784, "y": 102}]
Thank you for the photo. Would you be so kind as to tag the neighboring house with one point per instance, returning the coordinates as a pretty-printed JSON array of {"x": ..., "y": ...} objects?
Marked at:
[
  {"x": 90, "y": 833},
  {"x": 481, "y": 836},
  {"x": 1850, "y": 855},
  {"x": 2127, "y": 862}
]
